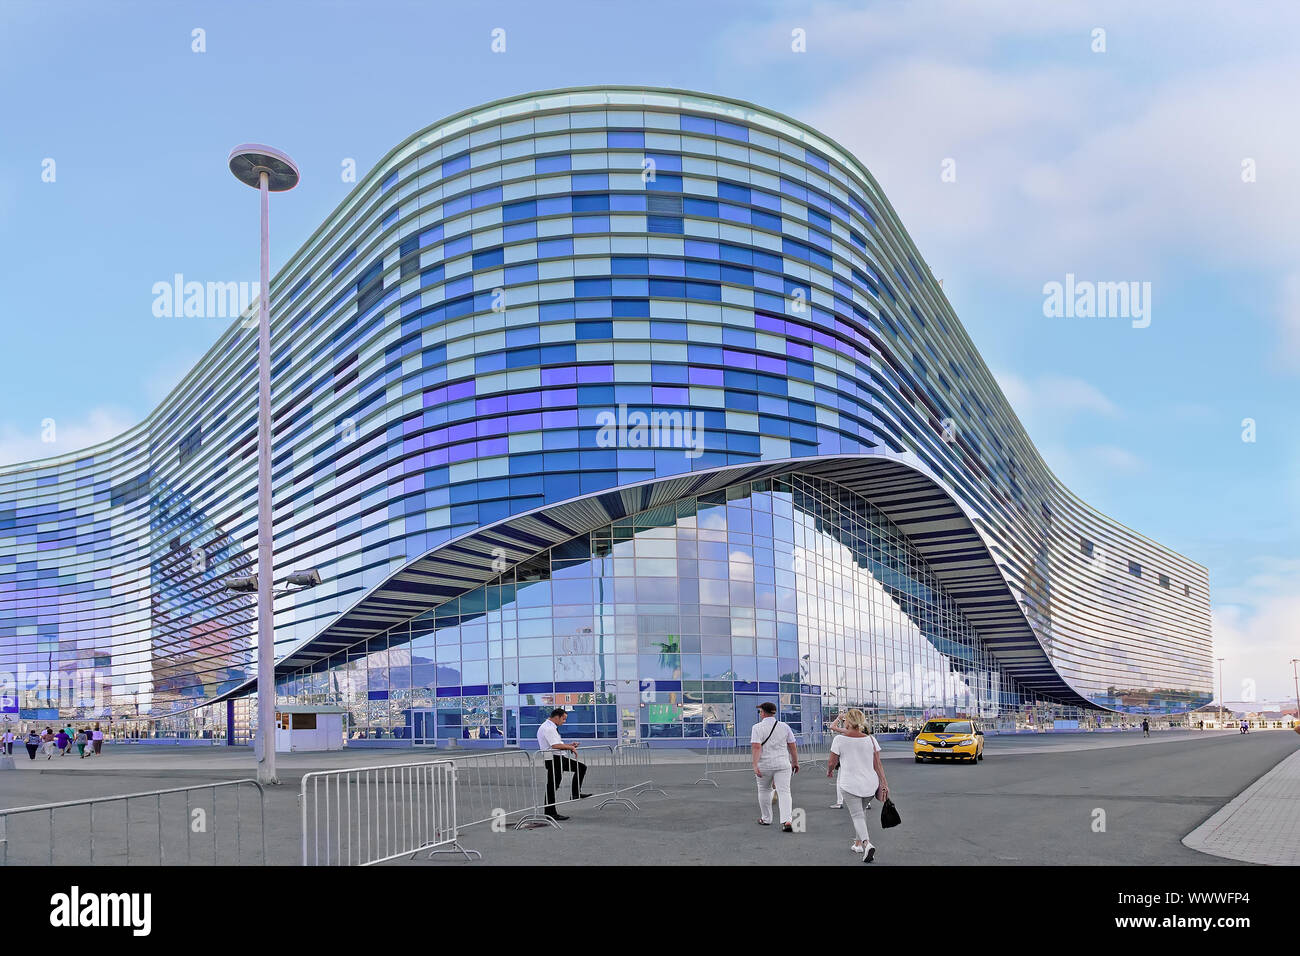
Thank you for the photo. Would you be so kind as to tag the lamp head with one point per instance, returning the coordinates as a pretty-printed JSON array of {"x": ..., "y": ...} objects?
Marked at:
[{"x": 250, "y": 160}]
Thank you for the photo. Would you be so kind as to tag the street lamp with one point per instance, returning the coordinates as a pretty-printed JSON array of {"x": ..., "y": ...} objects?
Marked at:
[
  {"x": 268, "y": 170},
  {"x": 1220, "y": 660},
  {"x": 1294, "y": 661}
]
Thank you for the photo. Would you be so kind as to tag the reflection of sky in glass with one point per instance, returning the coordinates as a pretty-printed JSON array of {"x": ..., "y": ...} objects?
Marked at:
[{"x": 797, "y": 589}]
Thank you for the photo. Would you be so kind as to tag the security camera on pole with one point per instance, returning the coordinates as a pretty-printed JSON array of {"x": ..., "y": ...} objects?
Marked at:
[{"x": 269, "y": 170}]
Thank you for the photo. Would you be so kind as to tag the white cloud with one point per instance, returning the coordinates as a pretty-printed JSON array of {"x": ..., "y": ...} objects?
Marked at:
[
  {"x": 24, "y": 443},
  {"x": 1258, "y": 639},
  {"x": 1055, "y": 395},
  {"x": 1113, "y": 166},
  {"x": 1112, "y": 458}
]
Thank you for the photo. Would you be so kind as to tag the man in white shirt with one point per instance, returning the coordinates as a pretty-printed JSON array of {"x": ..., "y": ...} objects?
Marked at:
[
  {"x": 550, "y": 742},
  {"x": 776, "y": 757}
]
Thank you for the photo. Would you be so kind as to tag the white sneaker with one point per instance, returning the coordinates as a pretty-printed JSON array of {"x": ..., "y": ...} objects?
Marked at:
[
  {"x": 855, "y": 847},
  {"x": 837, "y": 806}
]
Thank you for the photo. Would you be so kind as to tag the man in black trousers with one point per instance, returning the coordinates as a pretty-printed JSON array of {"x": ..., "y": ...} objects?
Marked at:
[{"x": 552, "y": 746}]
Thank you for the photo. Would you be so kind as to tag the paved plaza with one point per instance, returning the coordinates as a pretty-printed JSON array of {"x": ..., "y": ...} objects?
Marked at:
[
  {"x": 1034, "y": 800},
  {"x": 1261, "y": 824}
]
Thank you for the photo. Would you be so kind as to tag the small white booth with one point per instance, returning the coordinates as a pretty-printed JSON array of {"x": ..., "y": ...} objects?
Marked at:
[{"x": 308, "y": 727}]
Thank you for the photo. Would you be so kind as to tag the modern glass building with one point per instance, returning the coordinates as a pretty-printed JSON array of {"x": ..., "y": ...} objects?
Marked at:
[{"x": 636, "y": 401}]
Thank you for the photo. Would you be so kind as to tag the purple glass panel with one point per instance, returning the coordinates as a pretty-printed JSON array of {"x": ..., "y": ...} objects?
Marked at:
[
  {"x": 562, "y": 418},
  {"x": 736, "y": 359},
  {"x": 666, "y": 395},
  {"x": 525, "y": 400},
  {"x": 705, "y": 376},
  {"x": 526, "y": 422},
  {"x": 461, "y": 452},
  {"x": 559, "y": 376}
]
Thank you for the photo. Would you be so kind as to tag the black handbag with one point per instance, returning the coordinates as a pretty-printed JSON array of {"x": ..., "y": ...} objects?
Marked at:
[{"x": 889, "y": 814}]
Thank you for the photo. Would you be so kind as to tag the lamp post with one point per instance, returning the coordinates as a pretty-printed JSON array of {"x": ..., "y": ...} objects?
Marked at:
[
  {"x": 268, "y": 170},
  {"x": 1296, "y": 675},
  {"x": 1220, "y": 660}
]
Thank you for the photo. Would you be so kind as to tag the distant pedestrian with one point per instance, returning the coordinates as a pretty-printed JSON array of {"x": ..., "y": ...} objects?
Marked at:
[
  {"x": 97, "y": 740},
  {"x": 33, "y": 744},
  {"x": 857, "y": 756},
  {"x": 80, "y": 741},
  {"x": 62, "y": 742},
  {"x": 50, "y": 741},
  {"x": 1146, "y": 728},
  {"x": 775, "y": 757},
  {"x": 9, "y": 742},
  {"x": 1245, "y": 727}
]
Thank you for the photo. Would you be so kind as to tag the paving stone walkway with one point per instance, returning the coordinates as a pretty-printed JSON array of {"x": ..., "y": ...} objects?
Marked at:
[{"x": 1261, "y": 824}]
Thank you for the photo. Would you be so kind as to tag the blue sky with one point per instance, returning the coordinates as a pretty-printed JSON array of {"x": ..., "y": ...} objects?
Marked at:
[{"x": 1122, "y": 165}]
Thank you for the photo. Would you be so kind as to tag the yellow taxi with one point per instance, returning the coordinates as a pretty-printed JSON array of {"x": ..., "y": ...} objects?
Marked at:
[{"x": 949, "y": 739}]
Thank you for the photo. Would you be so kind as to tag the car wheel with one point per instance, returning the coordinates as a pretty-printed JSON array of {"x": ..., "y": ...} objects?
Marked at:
[{"x": 918, "y": 758}]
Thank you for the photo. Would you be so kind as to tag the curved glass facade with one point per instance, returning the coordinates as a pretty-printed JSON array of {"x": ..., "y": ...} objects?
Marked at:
[
  {"x": 792, "y": 589},
  {"x": 534, "y": 320}
]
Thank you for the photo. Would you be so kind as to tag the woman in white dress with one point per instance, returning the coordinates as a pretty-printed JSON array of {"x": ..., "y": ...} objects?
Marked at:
[{"x": 857, "y": 755}]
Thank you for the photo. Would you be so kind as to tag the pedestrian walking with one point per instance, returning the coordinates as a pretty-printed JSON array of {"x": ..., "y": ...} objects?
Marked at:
[
  {"x": 33, "y": 744},
  {"x": 49, "y": 742},
  {"x": 97, "y": 740},
  {"x": 1146, "y": 728},
  {"x": 551, "y": 745},
  {"x": 9, "y": 741},
  {"x": 62, "y": 742},
  {"x": 776, "y": 758},
  {"x": 80, "y": 741},
  {"x": 856, "y": 754}
]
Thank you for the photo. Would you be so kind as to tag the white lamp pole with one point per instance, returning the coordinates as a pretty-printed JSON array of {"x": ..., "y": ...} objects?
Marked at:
[{"x": 269, "y": 170}]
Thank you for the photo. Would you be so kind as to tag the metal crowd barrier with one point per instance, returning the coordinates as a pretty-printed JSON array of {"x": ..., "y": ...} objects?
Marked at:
[
  {"x": 814, "y": 747},
  {"x": 165, "y": 830},
  {"x": 367, "y": 815},
  {"x": 721, "y": 753},
  {"x": 634, "y": 755},
  {"x": 499, "y": 787}
]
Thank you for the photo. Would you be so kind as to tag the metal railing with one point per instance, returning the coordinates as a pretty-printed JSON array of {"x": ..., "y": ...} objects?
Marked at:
[
  {"x": 366, "y": 815},
  {"x": 634, "y": 757},
  {"x": 166, "y": 832},
  {"x": 498, "y": 787},
  {"x": 722, "y": 754}
]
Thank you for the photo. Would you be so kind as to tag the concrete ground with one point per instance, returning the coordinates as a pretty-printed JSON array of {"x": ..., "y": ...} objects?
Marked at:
[{"x": 1035, "y": 800}]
